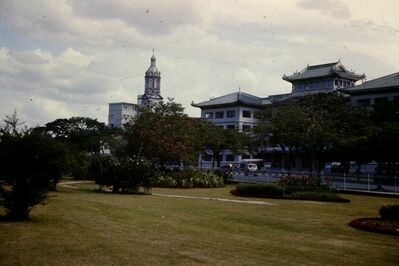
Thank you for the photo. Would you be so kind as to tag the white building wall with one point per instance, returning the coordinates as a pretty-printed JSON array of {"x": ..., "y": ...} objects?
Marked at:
[
  {"x": 121, "y": 113},
  {"x": 238, "y": 121}
]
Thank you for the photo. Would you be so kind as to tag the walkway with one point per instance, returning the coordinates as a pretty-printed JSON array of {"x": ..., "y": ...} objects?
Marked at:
[{"x": 69, "y": 184}]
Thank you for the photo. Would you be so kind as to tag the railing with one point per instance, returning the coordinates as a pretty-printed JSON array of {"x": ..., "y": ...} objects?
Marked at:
[{"x": 362, "y": 182}]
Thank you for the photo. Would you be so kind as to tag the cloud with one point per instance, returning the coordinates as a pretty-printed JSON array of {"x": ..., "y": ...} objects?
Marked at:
[
  {"x": 336, "y": 9},
  {"x": 63, "y": 58},
  {"x": 151, "y": 16}
]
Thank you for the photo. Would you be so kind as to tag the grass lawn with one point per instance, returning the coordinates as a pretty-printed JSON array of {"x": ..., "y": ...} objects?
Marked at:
[{"x": 82, "y": 227}]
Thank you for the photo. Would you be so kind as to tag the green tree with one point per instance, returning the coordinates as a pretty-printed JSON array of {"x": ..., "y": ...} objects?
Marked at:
[
  {"x": 83, "y": 136},
  {"x": 31, "y": 164},
  {"x": 214, "y": 140},
  {"x": 161, "y": 133}
]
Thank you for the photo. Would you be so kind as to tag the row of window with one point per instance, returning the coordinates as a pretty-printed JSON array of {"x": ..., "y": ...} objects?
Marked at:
[
  {"x": 367, "y": 102},
  {"x": 234, "y": 127},
  {"x": 229, "y": 114},
  {"x": 323, "y": 84},
  {"x": 228, "y": 157}
]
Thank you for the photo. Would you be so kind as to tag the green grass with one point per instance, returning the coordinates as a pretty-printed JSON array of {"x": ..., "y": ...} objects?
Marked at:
[{"x": 81, "y": 227}]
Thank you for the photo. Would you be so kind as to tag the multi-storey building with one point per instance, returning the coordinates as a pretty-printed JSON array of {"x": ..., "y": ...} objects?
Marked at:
[
  {"x": 242, "y": 111},
  {"x": 322, "y": 78},
  {"x": 374, "y": 91},
  {"x": 239, "y": 111},
  {"x": 121, "y": 113}
]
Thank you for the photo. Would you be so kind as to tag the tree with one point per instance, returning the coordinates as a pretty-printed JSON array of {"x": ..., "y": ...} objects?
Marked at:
[
  {"x": 83, "y": 133},
  {"x": 161, "y": 133},
  {"x": 31, "y": 164},
  {"x": 214, "y": 140},
  {"x": 303, "y": 123},
  {"x": 83, "y": 137}
]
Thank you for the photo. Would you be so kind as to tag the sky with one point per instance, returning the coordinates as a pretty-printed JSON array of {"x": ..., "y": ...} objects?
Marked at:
[{"x": 64, "y": 58}]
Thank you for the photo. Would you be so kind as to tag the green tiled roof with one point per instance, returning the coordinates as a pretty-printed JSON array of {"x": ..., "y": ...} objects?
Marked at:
[{"x": 230, "y": 99}]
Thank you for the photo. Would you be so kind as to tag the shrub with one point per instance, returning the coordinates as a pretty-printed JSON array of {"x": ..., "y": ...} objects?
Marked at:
[
  {"x": 390, "y": 212},
  {"x": 79, "y": 165},
  {"x": 125, "y": 175},
  {"x": 315, "y": 195},
  {"x": 227, "y": 175},
  {"x": 272, "y": 190},
  {"x": 31, "y": 165},
  {"x": 189, "y": 178},
  {"x": 277, "y": 191}
]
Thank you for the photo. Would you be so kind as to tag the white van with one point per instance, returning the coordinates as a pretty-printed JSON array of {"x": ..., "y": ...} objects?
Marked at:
[{"x": 251, "y": 168}]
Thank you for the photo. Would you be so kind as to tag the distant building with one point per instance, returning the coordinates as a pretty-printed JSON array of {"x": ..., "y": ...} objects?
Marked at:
[
  {"x": 242, "y": 111},
  {"x": 152, "y": 86},
  {"x": 372, "y": 92},
  {"x": 121, "y": 113},
  {"x": 237, "y": 111},
  {"x": 322, "y": 78}
]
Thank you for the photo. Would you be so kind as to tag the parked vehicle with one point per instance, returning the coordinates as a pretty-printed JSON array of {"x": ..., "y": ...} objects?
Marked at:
[{"x": 251, "y": 168}]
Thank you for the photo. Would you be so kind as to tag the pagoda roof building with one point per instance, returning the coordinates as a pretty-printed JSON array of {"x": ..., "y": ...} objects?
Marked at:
[
  {"x": 335, "y": 69},
  {"x": 324, "y": 78}
]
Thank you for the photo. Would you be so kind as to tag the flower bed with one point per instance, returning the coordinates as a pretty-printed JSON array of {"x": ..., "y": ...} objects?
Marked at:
[
  {"x": 297, "y": 192},
  {"x": 377, "y": 225}
]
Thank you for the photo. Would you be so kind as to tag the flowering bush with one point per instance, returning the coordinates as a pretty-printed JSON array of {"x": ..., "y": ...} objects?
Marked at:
[
  {"x": 189, "y": 178},
  {"x": 303, "y": 184}
]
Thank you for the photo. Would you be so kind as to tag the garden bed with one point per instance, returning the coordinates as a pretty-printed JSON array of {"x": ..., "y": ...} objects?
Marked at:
[
  {"x": 377, "y": 225},
  {"x": 315, "y": 197},
  {"x": 296, "y": 191}
]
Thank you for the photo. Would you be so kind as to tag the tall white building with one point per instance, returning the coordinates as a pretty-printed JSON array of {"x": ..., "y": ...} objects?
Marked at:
[{"x": 120, "y": 113}]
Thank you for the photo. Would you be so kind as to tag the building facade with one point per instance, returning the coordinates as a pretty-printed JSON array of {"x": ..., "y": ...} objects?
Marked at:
[
  {"x": 322, "y": 78},
  {"x": 375, "y": 91},
  {"x": 243, "y": 112},
  {"x": 121, "y": 113},
  {"x": 235, "y": 111}
]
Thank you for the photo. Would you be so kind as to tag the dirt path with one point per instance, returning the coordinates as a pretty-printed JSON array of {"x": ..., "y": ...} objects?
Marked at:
[{"x": 69, "y": 184}]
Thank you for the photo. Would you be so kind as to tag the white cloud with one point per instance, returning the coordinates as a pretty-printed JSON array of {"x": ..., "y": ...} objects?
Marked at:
[{"x": 80, "y": 55}]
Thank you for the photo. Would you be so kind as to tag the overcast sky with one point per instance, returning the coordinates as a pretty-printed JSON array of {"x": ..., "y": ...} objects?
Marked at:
[{"x": 63, "y": 58}]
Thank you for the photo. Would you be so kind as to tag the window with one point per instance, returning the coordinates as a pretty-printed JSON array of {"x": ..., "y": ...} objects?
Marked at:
[
  {"x": 209, "y": 115},
  {"x": 207, "y": 157},
  {"x": 259, "y": 115},
  {"x": 231, "y": 127},
  {"x": 312, "y": 84},
  {"x": 230, "y": 114},
  {"x": 219, "y": 114},
  {"x": 324, "y": 83},
  {"x": 340, "y": 83},
  {"x": 246, "y": 113},
  {"x": 230, "y": 157},
  {"x": 246, "y": 127},
  {"x": 380, "y": 100},
  {"x": 363, "y": 102},
  {"x": 336, "y": 82},
  {"x": 245, "y": 156}
]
